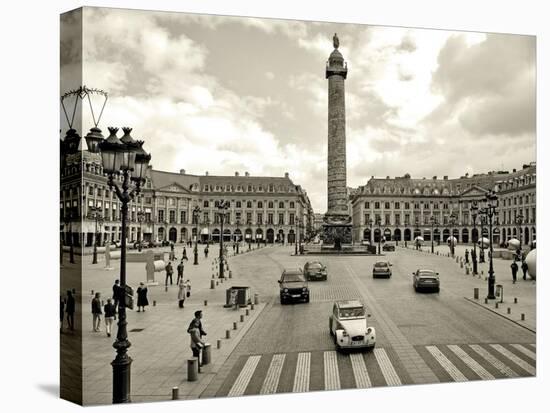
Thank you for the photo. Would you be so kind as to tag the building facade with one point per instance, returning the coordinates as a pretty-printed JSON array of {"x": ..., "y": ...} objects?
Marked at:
[
  {"x": 403, "y": 208},
  {"x": 261, "y": 209}
]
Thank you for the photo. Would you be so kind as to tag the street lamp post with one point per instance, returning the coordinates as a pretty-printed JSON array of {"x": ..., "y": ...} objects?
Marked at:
[
  {"x": 370, "y": 222},
  {"x": 482, "y": 222},
  {"x": 452, "y": 222},
  {"x": 141, "y": 218},
  {"x": 490, "y": 210},
  {"x": 96, "y": 214},
  {"x": 519, "y": 221},
  {"x": 238, "y": 224},
  {"x": 474, "y": 210},
  {"x": 296, "y": 239},
  {"x": 124, "y": 157},
  {"x": 379, "y": 234},
  {"x": 433, "y": 221},
  {"x": 196, "y": 212},
  {"x": 222, "y": 207}
]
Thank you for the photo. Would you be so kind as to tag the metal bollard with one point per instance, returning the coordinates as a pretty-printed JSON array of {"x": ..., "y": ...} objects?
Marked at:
[
  {"x": 252, "y": 306},
  {"x": 206, "y": 354},
  {"x": 154, "y": 303},
  {"x": 205, "y": 303},
  {"x": 227, "y": 334},
  {"x": 212, "y": 286},
  {"x": 515, "y": 300},
  {"x": 256, "y": 299},
  {"x": 486, "y": 300},
  {"x": 242, "y": 318},
  {"x": 461, "y": 264},
  {"x": 234, "y": 325},
  {"x": 216, "y": 282},
  {"x": 213, "y": 275},
  {"x": 522, "y": 317},
  {"x": 92, "y": 293},
  {"x": 476, "y": 293},
  {"x": 175, "y": 393},
  {"x": 496, "y": 304},
  {"x": 509, "y": 310},
  {"x": 192, "y": 369},
  {"x": 467, "y": 271},
  {"x": 247, "y": 311},
  {"x": 218, "y": 344},
  {"x": 230, "y": 274}
]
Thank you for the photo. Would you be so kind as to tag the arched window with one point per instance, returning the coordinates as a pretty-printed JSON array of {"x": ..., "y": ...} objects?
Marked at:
[
  {"x": 205, "y": 204},
  {"x": 260, "y": 204},
  {"x": 249, "y": 204},
  {"x": 281, "y": 204},
  {"x": 270, "y": 204}
]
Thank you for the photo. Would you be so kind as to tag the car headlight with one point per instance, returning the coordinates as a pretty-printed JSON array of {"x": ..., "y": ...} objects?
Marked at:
[
  {"x": 369, "y": 330},
  {"x": 285, "y": 290},
  {"x": 304, "y": 289},
  {"x": 344, "y": 333}
]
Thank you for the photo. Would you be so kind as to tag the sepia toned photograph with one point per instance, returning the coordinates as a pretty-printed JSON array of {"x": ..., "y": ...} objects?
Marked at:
[{"x": 258, "y": 206}]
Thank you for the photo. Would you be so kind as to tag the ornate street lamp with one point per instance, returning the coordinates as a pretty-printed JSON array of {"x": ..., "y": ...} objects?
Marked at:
[
  {"x": 452, "y": 222},
  {"x": 519, "y": 221},
  {"x": 370, "y": 222},
  {"x": 433, "y": 222},
  {"x": 222, "y": 207},
  {"x": 490, "y": 211},
  {"x": 482, "y": 223},
  {"x": 141, "y": 218},
  {"x": 474, "y": 211},
  {"x": 378, "y": 222},
  {"x": 296, "y": 237},
  {"x": 238, "y": 224},
  {"x": 96, "y": 213},
  {"x": 196, "y": 212},
  {"x": 124, "y": 157}
]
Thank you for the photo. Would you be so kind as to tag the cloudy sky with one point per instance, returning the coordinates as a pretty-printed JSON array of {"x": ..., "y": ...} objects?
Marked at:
[{"x": 226, "y": 94}]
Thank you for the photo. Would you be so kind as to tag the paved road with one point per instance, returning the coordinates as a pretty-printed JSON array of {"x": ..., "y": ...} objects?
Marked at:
[{"x": 421, "y": 338}]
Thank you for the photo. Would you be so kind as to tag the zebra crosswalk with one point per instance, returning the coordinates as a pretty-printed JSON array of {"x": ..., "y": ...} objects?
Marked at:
[{"x": 330, "y": 370}]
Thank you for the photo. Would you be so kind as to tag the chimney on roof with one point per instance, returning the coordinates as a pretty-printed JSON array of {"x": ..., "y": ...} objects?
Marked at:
[
  {"x": 514, "y": 170},
  {"x": 387, "y": 177},
  {"x": 286, "y": 175},
  {"x": 435, "y": 177},
  {"x": 246, "y": 174},
  {"x": 206, "y": 173},
  {"x": 236, "y": 173},
  {"x": 182, "y": 171},
  {"x": 445, "y": 177}
]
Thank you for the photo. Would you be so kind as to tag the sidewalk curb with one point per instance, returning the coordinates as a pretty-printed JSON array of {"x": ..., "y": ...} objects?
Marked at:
[
  {"x": 213, "y": 370},
  {"x": 501, "y": 315}
]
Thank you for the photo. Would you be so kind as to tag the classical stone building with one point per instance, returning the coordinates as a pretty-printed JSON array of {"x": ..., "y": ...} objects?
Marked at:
[
  {"x": 402, "y": 208},
  {"x": 273, "y": 209}
]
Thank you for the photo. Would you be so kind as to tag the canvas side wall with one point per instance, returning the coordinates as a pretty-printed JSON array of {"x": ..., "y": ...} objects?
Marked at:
[{"x": 70, "y": 207}]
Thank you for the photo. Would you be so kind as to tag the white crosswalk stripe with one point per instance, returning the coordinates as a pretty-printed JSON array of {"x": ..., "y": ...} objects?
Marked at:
[
  {"x": 446, "y": 364},
  {"x": 470, "y": 362},
  {"x": 389, "y": 373},
  {"x": 301, "y": 377},
  {"x": 273, "y": 373},
  {"x": 499, "y": 365},
  {"x": 525, "y": 366},
  {"x": 332, "y": 378},
  {"x": 525, "y": 351},
  {"x": 362, "y": 379},
  {"x": 244, "y": 377}
]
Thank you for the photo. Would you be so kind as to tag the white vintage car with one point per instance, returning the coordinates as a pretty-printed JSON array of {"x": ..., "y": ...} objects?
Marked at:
[{"x": 348, "y": 326}]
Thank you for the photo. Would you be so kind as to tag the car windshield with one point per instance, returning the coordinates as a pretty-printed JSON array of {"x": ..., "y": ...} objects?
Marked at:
[
  {"x": 315, "y": 266},
  {"x": 289, "y": 278},
  {"x": 427, "y": 274},
  {"x": 354, "y": 312},
  {"x": 381, "y": 264}
]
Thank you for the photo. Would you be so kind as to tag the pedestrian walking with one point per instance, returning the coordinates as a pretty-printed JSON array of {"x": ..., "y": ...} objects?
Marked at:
[
  {"x": 187, "y": 288},
  {"x": 181, "y": 293},
  {"x": 117, "y": 293},
  {"x": 524, "y": 268},
  {"x": 184, "y": 256},
  {"x": 62, "y": 311},
  {"x": 197, "y": 320},
  {"x": 142, "y": 300},
  {"x": 169, "y": 272},
  {"x": 172, "y": 253},
  {"x": 180, "y": 271},
  {"x": 467, "y": 256},
  {"x": 514, "y": 267},
  {"x": 206, "y": 251},
  {"x": 109, "y": 310},
  {"x": 96, "y": 312},
  {"x": 234, "y": 248},
  {"x": 197, "y": 343},
  {"x": 70, "y": 309}
]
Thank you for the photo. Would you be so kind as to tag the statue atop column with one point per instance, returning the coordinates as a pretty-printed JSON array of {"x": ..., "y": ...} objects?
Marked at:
[{"x": 335, "y": 41}]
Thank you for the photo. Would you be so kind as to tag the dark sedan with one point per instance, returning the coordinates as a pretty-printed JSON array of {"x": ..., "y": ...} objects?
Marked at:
[
  {"x": 314, "y": 270},
  {"x": 293, "y": 286},
  {"x": 426, "y": 280}
]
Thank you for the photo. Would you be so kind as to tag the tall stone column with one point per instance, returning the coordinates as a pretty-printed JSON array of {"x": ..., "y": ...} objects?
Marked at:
[{"x": 337, "y": 228}]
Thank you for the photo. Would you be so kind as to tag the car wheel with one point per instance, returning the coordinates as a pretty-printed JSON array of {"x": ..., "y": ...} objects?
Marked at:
[
  {"x": 415, "y": 288},
  {"x": 307, "y": 299},
  {"x": 283, "y": 301},
  {"x": 437, "y": 290},
  {"x": 371, "y": 348},
  {"x": 330, "y": 326}
]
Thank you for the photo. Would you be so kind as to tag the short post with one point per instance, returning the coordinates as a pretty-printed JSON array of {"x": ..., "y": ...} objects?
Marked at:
[
  {"x": 242, "y": 318},
  {"x": 218, "y": 344},
  {"x": 476, "y": 293},
  {"x": 509, "y": 310},
  {"x": 192, "y": 369},
  {"x": 216, "y": 282},
  {"x": 92, "y": 293},
  {"x": 486, "y": 300},
  {"x": 165, "y": 288},
  {"x": 256, "y": 299},
  {"x": 234, "y": 325},
  {"x": 154, "y": 303},
  {"x": 230, "y": 274},
  {"x": 515, "y": 300},
  {"x": 461, "y": 264},
  {"x": 212, "y": 286},
  {"x": 205, "y": 303},
  {"x": 247, "y": 311},
  {"x": 175, "y": 393},
  {"x": 252, "y": 306},
  {"x": 522, "y": 317},
  {"x": 496, "y": 304},
  {"x": 227, "y": 334},
  {"x": 206, "y": 354}
]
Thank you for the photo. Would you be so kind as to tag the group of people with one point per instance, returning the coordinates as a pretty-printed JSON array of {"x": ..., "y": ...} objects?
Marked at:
[
  {"x": 67, "y": 309},
  {"x": 518, "y": 256}
]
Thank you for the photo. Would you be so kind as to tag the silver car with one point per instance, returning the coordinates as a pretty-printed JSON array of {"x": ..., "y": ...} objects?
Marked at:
[
  {"x": 381, "y": 269},
  {"x": 426, "y": 279}
]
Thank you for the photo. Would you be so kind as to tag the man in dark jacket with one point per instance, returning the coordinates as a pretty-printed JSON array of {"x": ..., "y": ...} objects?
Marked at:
[
  {"x": 467, "y": 256},
  {"x": 70, "y": 309},
  {"x": 169, "y": 272},
  {"x": 110, "y": 312},
  {"x": 514, "y": 268},
  {"x": 196, "y": 322},
  {"x": 117, "y": 293},
  {"x": 96, "y": 312},
  {"x": 180, "y": 272},
  {"x": 524, "y": 268}
]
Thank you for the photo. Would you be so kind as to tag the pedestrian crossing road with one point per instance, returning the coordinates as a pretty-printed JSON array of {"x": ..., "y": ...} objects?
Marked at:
[{"x": 331, "y": 370}]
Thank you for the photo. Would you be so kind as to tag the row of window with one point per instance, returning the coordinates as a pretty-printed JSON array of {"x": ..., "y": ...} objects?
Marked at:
[
  {"x": 520, "y": 200},
  {"x": 407, "y": 205},
  {"x": 260, "y": 204}
]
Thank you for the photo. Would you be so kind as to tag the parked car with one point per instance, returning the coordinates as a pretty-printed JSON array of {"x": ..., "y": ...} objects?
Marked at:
[
  {"x": 314, "y": 270},
  {"x": 348, "y": 326},
  {"x": 388, "y": 247},
  {"x": 426, "y": 279},
  {"x": 293, "y": 286},
  {"x": 381, "y": 269},
  {"x": 143, "y": 245},
  {"x": 365, "y": 242}
]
